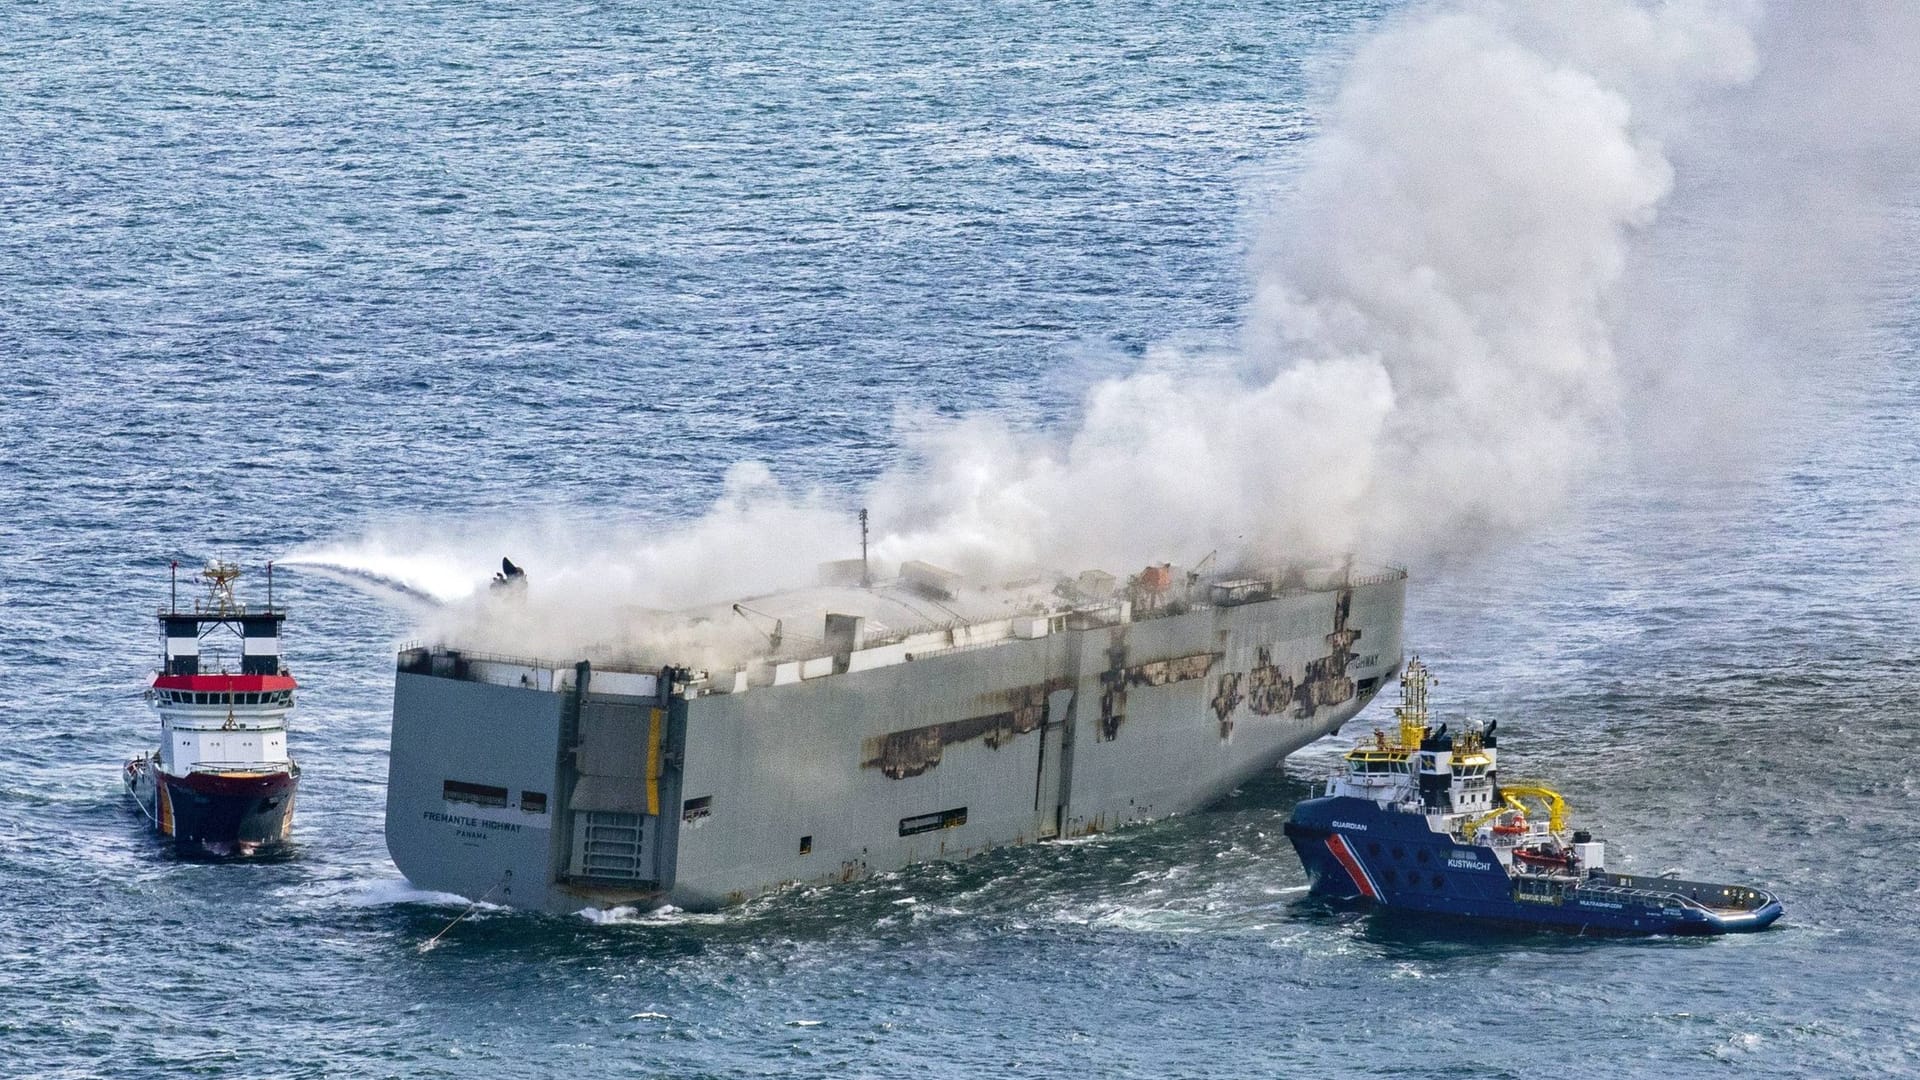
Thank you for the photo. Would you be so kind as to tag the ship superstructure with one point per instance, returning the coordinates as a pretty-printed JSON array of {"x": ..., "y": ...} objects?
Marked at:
[
  {"x": 221, "y": 781},
  {"x": 1419, "y": 821},
  {"x": 879, "y": 725}
]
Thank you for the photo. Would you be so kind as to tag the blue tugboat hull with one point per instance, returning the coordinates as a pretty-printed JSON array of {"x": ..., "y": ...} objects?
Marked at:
[{"x": 1353, "y": 850}]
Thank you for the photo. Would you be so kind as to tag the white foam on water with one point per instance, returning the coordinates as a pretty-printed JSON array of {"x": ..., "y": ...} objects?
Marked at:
[
  {"x": 668, "y": 915},
  {"x": 391, "y": 891}
]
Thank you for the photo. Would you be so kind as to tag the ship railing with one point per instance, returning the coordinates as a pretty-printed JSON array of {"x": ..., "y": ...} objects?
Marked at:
[
  {"x": 1102, "y": 614},
  {"x": 1701, "y": 894},
  {"x": 227, "y": 611},
  {"x": 1263, "y": 585},
  {"x": 1638, "y": 893},
  {"x": 281, "y": 766},
  {"x": 427, "y": 652}
]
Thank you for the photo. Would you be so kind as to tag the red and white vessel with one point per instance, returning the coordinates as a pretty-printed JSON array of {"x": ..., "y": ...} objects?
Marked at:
[{"x": 221, "y": 782}]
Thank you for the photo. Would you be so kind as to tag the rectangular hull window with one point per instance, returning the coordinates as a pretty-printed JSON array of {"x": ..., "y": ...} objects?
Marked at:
[
  {"x": 945, "y": 819},
  {"x": 478, "y": 794}
]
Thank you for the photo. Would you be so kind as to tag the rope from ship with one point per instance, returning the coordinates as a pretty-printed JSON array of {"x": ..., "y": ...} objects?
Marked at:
[{"x": 481, "y": 899}]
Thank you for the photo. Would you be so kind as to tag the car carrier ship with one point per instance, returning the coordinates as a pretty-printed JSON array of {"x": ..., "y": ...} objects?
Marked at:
[{"x": 927, "y": 720}]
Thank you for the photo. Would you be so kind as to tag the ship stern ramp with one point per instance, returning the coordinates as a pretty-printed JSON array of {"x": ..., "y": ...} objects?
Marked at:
[{"x": 470, "y": 787}]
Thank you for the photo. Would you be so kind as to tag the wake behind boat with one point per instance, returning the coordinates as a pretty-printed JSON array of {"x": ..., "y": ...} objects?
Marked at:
[
  {"x": 221, "y": 781},
  {"x": 1420, "y": 823}
]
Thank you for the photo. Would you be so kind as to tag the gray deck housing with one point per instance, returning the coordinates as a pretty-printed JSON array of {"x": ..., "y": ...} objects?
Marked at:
[{"x": 565, "y": 786}]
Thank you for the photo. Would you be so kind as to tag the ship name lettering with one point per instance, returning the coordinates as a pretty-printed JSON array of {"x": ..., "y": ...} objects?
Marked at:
[
  {"x": 1468, "y": 864},
  {"x": 1600, "y": 904},
  {"x": 1349, "y": 825},
  {"x": 463, "y": 823}
]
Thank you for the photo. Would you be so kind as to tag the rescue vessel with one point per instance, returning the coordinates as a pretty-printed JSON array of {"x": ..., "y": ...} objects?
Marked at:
[
  {"x": 1419, "y": 822},
  {"x": 221, "y": 782}
]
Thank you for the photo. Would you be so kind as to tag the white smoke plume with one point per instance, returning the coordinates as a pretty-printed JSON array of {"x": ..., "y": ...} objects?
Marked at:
[
  {"x": 1467, "y": 306},
  {"x": 1428, "y": 358}
]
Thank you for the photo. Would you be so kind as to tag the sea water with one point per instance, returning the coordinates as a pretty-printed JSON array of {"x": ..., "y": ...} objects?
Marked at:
[{"x": 278, "y": 274}]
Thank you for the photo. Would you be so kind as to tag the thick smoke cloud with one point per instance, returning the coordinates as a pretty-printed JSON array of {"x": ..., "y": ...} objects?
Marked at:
[
  {"x": 1428, "y": 359},
  {"x": 1531, "y": 235}
]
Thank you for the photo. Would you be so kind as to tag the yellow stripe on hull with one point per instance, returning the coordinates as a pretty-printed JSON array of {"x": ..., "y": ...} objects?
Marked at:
[{"x": 164, "y": 804}]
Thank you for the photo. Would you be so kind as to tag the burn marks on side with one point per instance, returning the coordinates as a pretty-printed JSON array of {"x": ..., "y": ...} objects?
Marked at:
[
  {"x": 1228, "y": 698},
  {"x": 901, "y": 754},
  {"x": 1327, "y": 682},
  {"x": 1120, "y": 676},
  {"x": 1269, "y": 691}
]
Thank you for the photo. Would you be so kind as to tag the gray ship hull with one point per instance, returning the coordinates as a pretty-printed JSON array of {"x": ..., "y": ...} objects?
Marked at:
[{"x": 562, "y": 787}]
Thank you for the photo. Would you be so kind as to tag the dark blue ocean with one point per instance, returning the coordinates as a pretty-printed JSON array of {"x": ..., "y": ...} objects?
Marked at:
[{"x": 281, "y": 275}]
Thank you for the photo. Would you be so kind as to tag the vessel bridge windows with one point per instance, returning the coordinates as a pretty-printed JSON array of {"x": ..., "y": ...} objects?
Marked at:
[{"x": 215, "y": 697}]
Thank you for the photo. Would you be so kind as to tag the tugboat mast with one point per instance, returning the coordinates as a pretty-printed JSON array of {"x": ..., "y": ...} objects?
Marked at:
[{"x": 1412, "y": 713}]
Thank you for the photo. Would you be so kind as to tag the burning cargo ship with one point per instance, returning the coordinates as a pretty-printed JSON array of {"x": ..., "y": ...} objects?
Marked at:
[{"x": 926, "y": 721}]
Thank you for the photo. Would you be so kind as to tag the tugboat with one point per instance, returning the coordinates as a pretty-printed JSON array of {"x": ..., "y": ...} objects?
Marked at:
[
  {"x": 1420, "y": 823},
  {"x": 221, "y": 783}
]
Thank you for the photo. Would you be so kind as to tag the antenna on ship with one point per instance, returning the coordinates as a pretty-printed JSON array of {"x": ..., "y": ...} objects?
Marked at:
[
  {"x": 866, "y": 574},
  {"x": 1412, "y": 712},
  {"x": 269, "y": 586},
  {"x": 219, "y": 576},
  {"x": 173, "y": 586}
]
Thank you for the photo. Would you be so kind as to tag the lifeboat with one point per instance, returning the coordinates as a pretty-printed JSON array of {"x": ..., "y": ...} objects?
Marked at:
[
  {"x": 1544, "y": 858},
  {"x": 1515, "y": 825}
]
